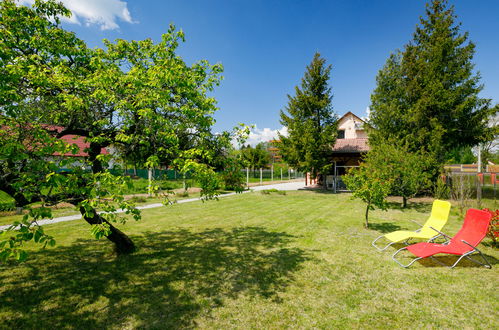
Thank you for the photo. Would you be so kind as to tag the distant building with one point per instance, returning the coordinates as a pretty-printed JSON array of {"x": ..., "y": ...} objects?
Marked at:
[
  {"x": 352, "y": 142},
  {"x": 351, "y": 145},
  {"x": 274, "y": 151}
]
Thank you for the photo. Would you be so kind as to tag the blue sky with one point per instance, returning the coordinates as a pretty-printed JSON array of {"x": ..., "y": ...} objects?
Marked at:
[{"x": 265, "y": 45}]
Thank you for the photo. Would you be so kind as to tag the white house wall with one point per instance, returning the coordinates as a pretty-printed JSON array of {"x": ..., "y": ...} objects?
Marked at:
[{"x": 348, "y": 125}]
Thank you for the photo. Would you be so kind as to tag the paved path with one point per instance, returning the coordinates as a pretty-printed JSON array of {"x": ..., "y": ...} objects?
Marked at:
[
  {"x": 282, "y": 186},
  {"x": 279, "y": 186}
]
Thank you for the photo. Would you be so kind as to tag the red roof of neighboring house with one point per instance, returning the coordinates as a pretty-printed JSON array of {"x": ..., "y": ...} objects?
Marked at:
[
  {"x": 351, "y": 145},
  {"x": 69, "y": 139},
  {"x": 73, "y": 139},
  {"x": 82, "y": 145}
]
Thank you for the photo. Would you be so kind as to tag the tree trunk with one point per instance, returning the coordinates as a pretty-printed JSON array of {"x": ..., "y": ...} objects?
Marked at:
[
  {"x": 367, "y": 215},
  {"x": 122, "y": 242},
  {"x": 404, "y": 202}
]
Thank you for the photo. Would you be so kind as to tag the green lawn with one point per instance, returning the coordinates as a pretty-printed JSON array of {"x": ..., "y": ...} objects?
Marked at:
[{"x": 301, "y": 260}]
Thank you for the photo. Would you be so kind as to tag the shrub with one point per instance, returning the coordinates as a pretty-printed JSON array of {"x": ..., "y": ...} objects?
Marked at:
[
  {"x": 7, "y": 205},
  {"x": 138, "y": 199},
  {"x": 493, "y": 231},
  {"x": 269, "y": 191},
  {"x": 441, "y": 190},
  {"x": 462, "y": 188},
  {"x": 232, "y": 175}
]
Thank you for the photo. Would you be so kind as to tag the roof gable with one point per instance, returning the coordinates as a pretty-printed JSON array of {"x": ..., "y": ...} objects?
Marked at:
[{"x": 349, "y": 113}]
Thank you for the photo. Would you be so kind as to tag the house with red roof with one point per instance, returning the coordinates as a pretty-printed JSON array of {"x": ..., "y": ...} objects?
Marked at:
[
  {"x": 77, "y": 140},
  {"x": 352, "y": 141},
  {"x": 351, "y": 145}
]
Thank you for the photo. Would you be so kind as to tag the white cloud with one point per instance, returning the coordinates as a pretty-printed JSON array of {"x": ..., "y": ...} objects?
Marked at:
[
  {"x": 368, "y": 114},
  {"x": 104, "y": 13},
  {"x": 263, "y": 135}
]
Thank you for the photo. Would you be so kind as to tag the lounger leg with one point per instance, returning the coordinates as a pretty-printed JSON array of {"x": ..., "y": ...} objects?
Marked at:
[
  {"x": 378, "y": 248},
  {"x": 405, "y": 266},
  {"x": 486, "y": 264},
  {"x": 461, "y": 257},
  {"x": 466, "y": 255}
]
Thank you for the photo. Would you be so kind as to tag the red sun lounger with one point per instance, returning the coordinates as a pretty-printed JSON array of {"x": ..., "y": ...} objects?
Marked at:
[{"x": 463, "y": 244}]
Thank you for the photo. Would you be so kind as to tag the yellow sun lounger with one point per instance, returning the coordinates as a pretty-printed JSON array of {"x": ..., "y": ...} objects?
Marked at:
[{"x": 438, "y": 218}]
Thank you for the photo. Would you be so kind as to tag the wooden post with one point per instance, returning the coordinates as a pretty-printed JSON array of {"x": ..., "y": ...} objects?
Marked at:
[
  {"x": 261, "y": 172},
  {"x": 272, "y": 173},
  {"x": 247, "y": 177},
  {"x": 281, "y": 173}
]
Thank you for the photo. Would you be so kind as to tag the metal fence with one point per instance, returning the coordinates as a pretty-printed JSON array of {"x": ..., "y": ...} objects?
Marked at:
[
  {"x": 278, "y": 174},
  {"x": 252, "y": 175},
  {"x": 157, "y": 174}
]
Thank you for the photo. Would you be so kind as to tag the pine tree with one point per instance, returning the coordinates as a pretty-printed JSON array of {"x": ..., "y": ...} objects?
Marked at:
[
  {"x": 311, "y": 121},
  {"x": 427, "y": 94}
]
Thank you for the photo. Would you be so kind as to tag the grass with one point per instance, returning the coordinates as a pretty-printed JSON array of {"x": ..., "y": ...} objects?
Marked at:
[
  {"x": 301, "y": 260},
  {"x": 6, "y": 202}
]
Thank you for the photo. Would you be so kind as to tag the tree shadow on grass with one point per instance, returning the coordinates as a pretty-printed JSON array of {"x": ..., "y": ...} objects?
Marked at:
[
  {"x": 175, "y": 276},
  {"x": 418, "y": 207},
  {"x": 384, "y": 227},
  {"x": 320, "y": 191}
]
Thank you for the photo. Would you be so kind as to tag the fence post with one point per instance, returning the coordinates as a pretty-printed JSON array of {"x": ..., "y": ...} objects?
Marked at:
[
  {"x": 479, "y": 179},
  {"x": 247, "y": 177},
  {"x": 289, "y": 173},
  {"x": 281, "y": 173},
  {"x": 272, "y": 173},
  {"x": 261, "y": 172},
  {"x": 149, "y": 176}
]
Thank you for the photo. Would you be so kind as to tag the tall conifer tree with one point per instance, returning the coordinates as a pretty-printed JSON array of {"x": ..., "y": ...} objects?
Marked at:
[
  {"x": 427, "y": 94},
  {"x": 310, "y": 120}
]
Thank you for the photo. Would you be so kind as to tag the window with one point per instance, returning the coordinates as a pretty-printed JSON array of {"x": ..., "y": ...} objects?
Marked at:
[{"x": 341, "y": 134}]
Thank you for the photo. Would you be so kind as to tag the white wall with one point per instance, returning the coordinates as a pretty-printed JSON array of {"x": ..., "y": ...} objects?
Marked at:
[{"x": 348, "y": 124}]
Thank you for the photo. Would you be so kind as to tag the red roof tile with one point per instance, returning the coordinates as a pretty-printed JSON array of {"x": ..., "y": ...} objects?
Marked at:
[
  {"x": 351, "y": 145},
  {"x": 82, "y": 146},
  {"x": 73, "y": 139}
]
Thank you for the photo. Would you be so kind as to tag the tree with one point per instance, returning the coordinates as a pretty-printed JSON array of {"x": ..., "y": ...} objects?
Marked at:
[
  {"x": 370, "y": 185},
  {"x": 463, "y": 155},
  {"x": 491, "y": 145},
  {"x": 257, "y": 157},
  {"x": 406, "y": 170},
  {"x": 310, "y": 121},
  {"x": 427, "y": 95},
  {"x": 130, "y": 93}
]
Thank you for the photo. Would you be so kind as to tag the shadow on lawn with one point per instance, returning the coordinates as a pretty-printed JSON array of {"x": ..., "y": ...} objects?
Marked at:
[
  {"x": 384, "y": 227},
  {"x": 175, "y": 276},
  {"x": 450, "y": 260},
  {"x": 418, "y": 207}
]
